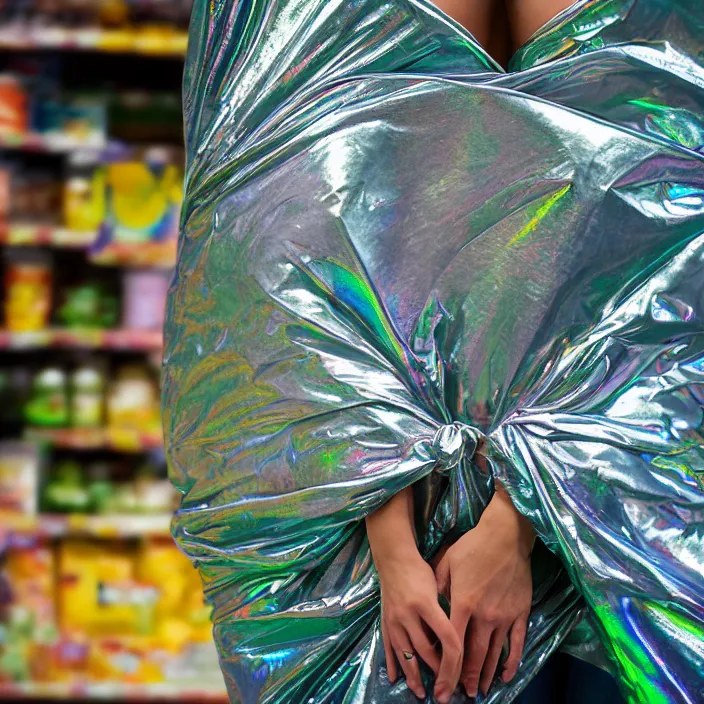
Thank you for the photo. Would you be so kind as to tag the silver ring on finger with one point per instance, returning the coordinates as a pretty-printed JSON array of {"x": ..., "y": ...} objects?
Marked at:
[{"x": 408, "y": 654}]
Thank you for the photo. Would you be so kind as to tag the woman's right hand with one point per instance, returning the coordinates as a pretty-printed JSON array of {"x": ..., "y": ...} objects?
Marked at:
[
  {"x": 412, "y": 620},
  {"x": 410, "y": 612}
]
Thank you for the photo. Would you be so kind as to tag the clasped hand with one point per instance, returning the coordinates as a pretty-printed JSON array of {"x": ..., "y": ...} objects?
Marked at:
[{"x": 486, "y": 577}]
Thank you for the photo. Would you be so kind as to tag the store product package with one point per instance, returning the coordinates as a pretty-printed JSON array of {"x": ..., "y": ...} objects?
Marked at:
[
  {"x": 19, "y": 478},
  {"x": 28, "y": 625}
]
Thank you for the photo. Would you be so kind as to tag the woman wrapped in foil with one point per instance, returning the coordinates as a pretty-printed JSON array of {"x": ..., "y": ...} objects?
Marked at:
[{"x": 405, "y": 272}]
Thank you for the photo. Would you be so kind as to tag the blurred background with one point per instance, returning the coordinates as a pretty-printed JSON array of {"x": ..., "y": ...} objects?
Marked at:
[{"x": 95, "y": 600}]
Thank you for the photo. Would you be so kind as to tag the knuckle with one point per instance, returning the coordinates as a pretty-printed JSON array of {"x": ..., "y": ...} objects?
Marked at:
[
  {"x": 464, "y": 608},
  {"x": 453, "y": 656},
  {"x": 495, "y": 615},
  {"x": 412, "y": 604},
  {"x": 492, "y": 617},
  {"x": 472, "y": 672},
  {"x": 450, "y": 640},
  {"x": 454, "y": 651},
  {"x": 403, "y": 610},
  {"x": 481, "y": 618},
  {"x": 394, "y": 618}
]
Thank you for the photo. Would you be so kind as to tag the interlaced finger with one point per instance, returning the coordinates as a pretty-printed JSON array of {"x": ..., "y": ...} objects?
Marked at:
[
  {"x": 448, "y": 673},
  {"x": 476, "y": 645},
  {"x": 403, "y": 647},
  {"x": 424, "y": 646},
  {"x": 516, "y": 643},
  {"x": 496, "y": 644},
  {"x": 391, "y": 667}
]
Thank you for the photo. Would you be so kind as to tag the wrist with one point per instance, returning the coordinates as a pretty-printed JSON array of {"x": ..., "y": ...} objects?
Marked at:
[
  {"x": 391, "y": 533},
  {"x": 502, "y": 516},
  {"x": 392, "y": 556}
]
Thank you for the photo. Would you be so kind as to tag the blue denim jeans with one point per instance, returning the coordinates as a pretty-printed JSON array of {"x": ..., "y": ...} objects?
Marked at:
[{"x": 566, "y": 680}]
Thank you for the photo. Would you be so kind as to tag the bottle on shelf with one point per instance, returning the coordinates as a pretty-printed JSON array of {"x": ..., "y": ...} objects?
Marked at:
[
  {"x": 87, "y": 397},
  {"x": 48, "y": 403},
  {"x": 28, "y": 281}
]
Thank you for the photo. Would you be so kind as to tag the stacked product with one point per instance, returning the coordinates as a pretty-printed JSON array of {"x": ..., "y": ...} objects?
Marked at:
[
  {"x": 124, "y": 202},
  {"x": 95, "y": 599},
  {"x": 48, "y": 293},
  {"x": 85, "y": 613},
  {"x": 148, "y": 26}
]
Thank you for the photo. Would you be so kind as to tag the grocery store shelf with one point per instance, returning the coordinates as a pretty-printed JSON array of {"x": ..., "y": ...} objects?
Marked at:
[
  {"x": 157, "y": 255},
  {"x": 119, "y": 440},
  {"x": 127, "y": 340},
  {"x": 54, "y": 143},
  {"x": 145, "y": 43},
  {"x": 24, "y": 234},
  {"x": 55, "y": 525},
  {"x": 111, "y": 692}
]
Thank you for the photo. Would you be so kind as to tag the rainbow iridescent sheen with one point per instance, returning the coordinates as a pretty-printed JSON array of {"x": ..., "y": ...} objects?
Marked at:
[{"x": 391, "y": 248}]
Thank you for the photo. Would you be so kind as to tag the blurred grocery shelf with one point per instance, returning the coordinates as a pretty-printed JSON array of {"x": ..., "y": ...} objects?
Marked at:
[
  {"x": 111, "y": 691},
  {"x": 27, "y": 234},
  {"x": 129, "y": 340},
  {"x": 55, "y": 525},
  {"x": 157, "y": 255},
  {"x": 119, "y": 440},
  {"x": 146, "y": 42},
  {"x": 53, "y": 142},
  {"x": 65, "y": 143},
  {"x": 97, "y": 603}
]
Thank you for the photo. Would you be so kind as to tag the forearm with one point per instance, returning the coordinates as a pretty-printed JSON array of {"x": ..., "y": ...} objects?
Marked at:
[
  {"x": 390, "y": 529},
  {"x": 503, "y": 516}
]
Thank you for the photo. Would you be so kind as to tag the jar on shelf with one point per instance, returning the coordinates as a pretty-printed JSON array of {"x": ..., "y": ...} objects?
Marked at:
[
  {"x": 28, "y": 283},
  {"x": 48, "y": 403},
  {"x": 87, "y": 397}
]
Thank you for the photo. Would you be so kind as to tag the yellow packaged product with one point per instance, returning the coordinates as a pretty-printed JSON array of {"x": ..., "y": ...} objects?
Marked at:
[
  {"x": 180, "y": 617},
  {"x": 99, "y": 595},
  {"x": 161, "y": 564},
  {"x": 125, "y": 660}
]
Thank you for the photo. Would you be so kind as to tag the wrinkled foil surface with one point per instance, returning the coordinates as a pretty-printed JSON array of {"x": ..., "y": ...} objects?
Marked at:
[{"x": 395, "y": 255}]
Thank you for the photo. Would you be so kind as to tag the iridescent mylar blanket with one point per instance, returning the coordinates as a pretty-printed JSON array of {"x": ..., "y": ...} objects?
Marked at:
[{"x": 391, "y": 249}]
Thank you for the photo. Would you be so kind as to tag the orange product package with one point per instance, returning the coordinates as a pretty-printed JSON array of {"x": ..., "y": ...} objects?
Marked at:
[
  {"x": 14, "y": 112},
  {"x": 28, "y": 283}
]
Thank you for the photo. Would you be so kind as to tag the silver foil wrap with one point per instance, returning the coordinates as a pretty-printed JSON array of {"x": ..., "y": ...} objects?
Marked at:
[{"x": 393, "y": 251}]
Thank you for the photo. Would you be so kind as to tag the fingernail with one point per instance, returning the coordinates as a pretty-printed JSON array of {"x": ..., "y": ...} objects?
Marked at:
[
  {"x": 470, "y": 692},
  {"x": 442, "y": 696}
]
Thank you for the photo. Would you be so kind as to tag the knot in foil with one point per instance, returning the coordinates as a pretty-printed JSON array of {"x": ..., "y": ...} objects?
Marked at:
[{"x": 454, "y": 442}]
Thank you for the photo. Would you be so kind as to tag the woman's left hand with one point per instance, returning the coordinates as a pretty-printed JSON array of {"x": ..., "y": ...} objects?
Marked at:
[{"x": 486, "y": 576}]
